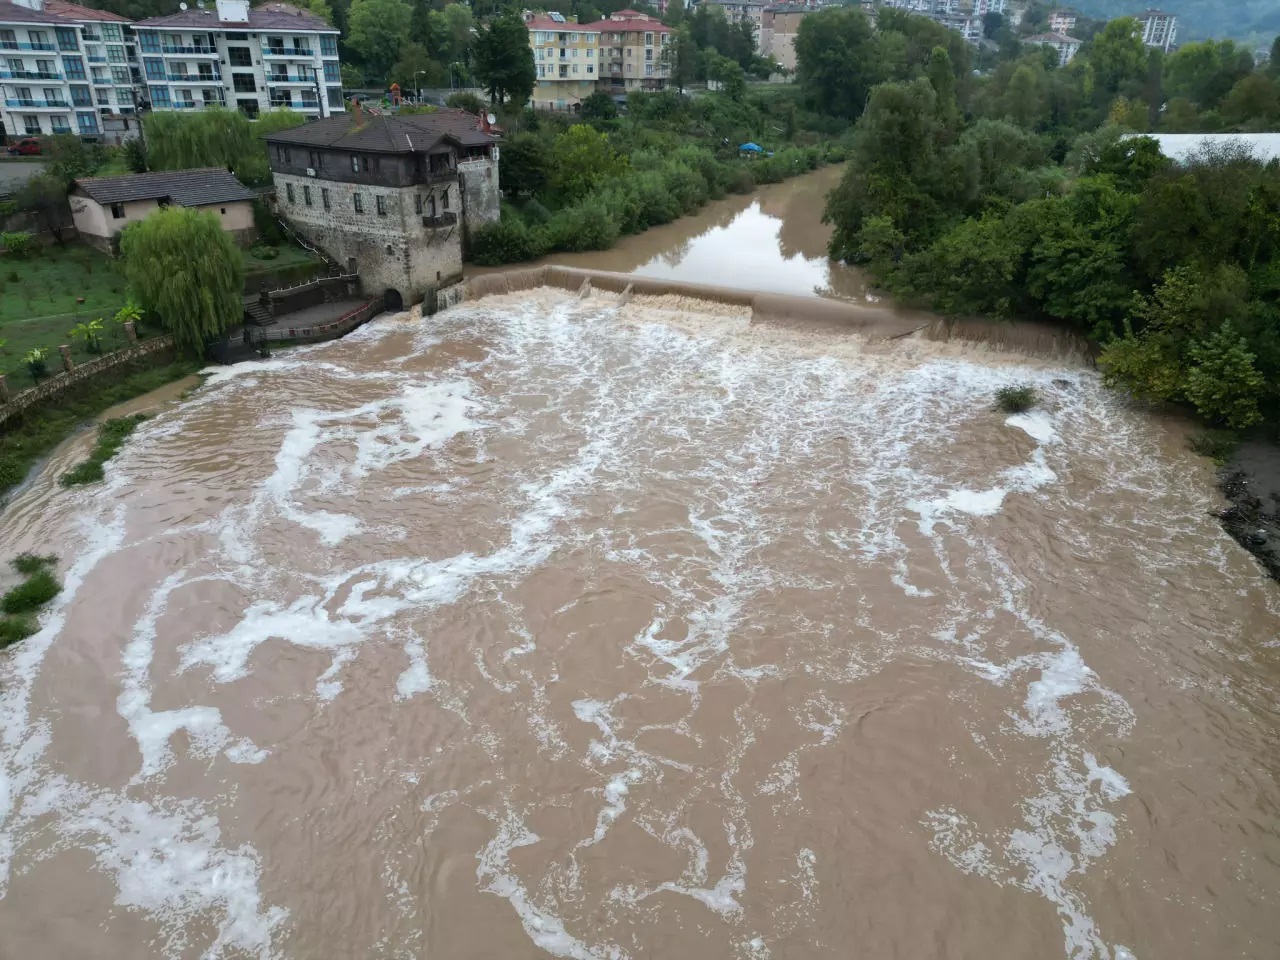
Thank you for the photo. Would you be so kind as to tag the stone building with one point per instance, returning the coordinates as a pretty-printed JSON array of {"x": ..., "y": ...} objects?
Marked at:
[{"x": 390, "y": 197}]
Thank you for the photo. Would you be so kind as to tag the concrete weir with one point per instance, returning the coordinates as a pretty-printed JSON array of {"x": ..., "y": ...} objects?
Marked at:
[{"x": 775, "y": 308}]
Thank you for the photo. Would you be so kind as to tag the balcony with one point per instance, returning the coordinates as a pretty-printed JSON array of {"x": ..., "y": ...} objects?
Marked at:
[
  {"x": 297, "y": 53},
  {"x": 295, "y": 104},
  {"x": 29, "y": 75},
  {"x": 200, "y": 78},
  {"x": 290, "y": 78},
  {"x": 447, "y": 219},
  {"x": 169, "y": 51},
  {"x": 196, "y": 104},
  {"x": 15, "y": 45},
  {"x": 97, "y": 58},
  {"x": 27, "y": 103}
]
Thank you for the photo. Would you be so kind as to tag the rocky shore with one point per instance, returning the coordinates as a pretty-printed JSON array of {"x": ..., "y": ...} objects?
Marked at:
[{"x": 1251, "y": 481}]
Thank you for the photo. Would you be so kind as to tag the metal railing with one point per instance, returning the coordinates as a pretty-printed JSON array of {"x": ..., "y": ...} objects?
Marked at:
[
  {"x": 296, "y": 104},
  {"x": 15, "y": 45},
  {"x": 270, "y": 51},
  {"x": 30, "y": 75},
  {"x": 194, "y": 78},
  {"x": 320, "y": 331},
  {"x": 289, "y": 78},
  {"x": 197, "y": 51},
  {"x": 30, "y": 103}
]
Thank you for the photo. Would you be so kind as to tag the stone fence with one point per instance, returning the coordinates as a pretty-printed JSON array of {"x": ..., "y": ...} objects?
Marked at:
[{"x": 11, "y": 405}]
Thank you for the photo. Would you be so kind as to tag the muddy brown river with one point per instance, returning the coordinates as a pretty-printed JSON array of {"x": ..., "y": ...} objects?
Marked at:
[{"x": 551, "y": 627}]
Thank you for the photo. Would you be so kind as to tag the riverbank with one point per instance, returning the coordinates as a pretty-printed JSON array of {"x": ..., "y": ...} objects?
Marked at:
[
  {"x": 1250, "y": 480},
  {"x": 42, "y": 430}
]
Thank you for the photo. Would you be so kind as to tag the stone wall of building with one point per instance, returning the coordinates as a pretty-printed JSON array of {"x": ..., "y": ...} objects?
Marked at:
[
  {"x": 482, "y": 197},
  {"x": 398, "y": 249}
]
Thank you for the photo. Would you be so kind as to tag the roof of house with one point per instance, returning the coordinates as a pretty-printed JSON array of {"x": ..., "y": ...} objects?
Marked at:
[
  {"x": 73, "y": 11},
  {"x": 638, "y": 23},
  {"x": 269, "y": 16},
  {"x": 187, "y": 188},
  {"x": 385, "y": 133},
  {"x": 15, "y": 13},
  {"x": 560, "y": 26},
  {"x": 1052, "y": 38}
]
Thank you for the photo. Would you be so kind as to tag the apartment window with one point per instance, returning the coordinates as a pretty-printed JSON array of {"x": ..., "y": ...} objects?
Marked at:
[
  {"x": 628, "y": 51},
  {"x": 59, "y": 125},
  {"x": 74, "y": 67},
  {"x": 66, "y": 38},
  {"x": 40, "y": 40},
  {"x": 381, "y": 202},
  {"x": 149, "y": 41},
  {"x": 648, "y": 39},
  {"x": 590, "y": 68},
  {"x": 87, "y": 122},
  {"x": 648, "y": 54},
  {"x": 120, "y": 76},
  {"x": 306, "y": 194},
  {"x": 154, "y": 68},
  {"x": 357, "y": 202},
  {"x": 104, "y": 97},
  {"x": 332, "y": 73},
  {"x": 8, "y": 38},
  {"x": 117, "y": 211},
  {"x": 355, "y": 165},
  {"x": 31, "y": 124},
  {"x": 115, "y": 53},
  {"x": 324, "y": 197},
  {"x": 80, "y": 96},
  {"x": 328, "y": 46},
  {"x": 243, "y": 83},
  {"x": 288, "y": 191},
  {"x": 575, "y": 68},
  {"x": 648, "y": 69},
  {"x": 51, "y": 95},
  {"x": 239, "y": 56},
  {"x": 574, "y": 53},
  {"x": 417, "y": 203},
  {"x": 590, "y": 54},
  {"x": 111, "y": 31}
]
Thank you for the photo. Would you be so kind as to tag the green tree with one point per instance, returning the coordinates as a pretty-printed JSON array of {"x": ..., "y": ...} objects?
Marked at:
[
  {"x": 1180, "y": 116},
  {"x": 451, "y": 34},
  {"x": 1253, "y": 103},
  {"x": 524, "y": 163},
  {"x": 1117, "y": 59},
  {"x": 45, "y": 197},
  {"x": 598, "y": 106},
  {"x": 728, "y": 74},
  {"x": 504, "y": 60},
  {"x": 1024, "y": 99},
  {"x": 836, "y": 61},
  {"x": 1223, "y": 383},
  {"x": 1205, "y": 72},
  {"x": 414, "y": 69},
  {"x": 376, "y": 30},
  {"x": 582, "y": 158},
  {"x": 184, "y": 268},
  {"x": 320, "y": 8},
  {"x": 681, "y": 58}
]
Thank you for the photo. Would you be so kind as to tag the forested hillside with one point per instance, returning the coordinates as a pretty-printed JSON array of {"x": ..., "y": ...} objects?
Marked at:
[{"x": 1256, "y": 20}]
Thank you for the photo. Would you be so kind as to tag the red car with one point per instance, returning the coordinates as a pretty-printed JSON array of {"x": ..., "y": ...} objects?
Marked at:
[{"x": 26, "y": 147}]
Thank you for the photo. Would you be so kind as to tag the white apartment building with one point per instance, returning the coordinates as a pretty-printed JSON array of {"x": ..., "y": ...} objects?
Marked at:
[
  {"x": 62, "y": 68},
  {"x": 1067, "y": 47},
  {"x": 244, "y": 59},
  {"x": 1063, "y": 21},
  {"x": 1159, "y": 29}
]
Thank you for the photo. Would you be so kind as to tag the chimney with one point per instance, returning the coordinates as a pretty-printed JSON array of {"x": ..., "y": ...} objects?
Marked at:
[{"x": 355, "y": 113}]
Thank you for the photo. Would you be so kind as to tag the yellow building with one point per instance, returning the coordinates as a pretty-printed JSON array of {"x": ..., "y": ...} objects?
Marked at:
[
  {"x": 566, "y": 56},
  {"x": 626, "y": 52}
]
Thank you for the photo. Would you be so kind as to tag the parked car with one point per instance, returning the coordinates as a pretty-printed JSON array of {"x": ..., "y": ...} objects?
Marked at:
[{"x": 26, "y": 147}]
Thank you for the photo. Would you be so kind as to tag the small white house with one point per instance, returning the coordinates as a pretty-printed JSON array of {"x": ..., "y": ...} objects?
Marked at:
[{"x": 103, "y": 206}]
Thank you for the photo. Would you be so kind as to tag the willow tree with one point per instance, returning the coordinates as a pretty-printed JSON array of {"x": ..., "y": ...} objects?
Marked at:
[
  {"x": 180, "y": 140},
  {"x": 183, "y": 268}
]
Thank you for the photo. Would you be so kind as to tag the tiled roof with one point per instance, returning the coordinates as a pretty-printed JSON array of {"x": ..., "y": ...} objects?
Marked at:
[
  {"x": 1052, "y": 38},
  {"x": 383, "y": 133},
  {"x": 546, "y": 23},
  {"x": 187, "y": 188},
  {"x": 271, "y": 16},
  {"x": 630, "y": 25},
  {"x": 13, "y": 13},
  {"x": 73, "y": 11}
]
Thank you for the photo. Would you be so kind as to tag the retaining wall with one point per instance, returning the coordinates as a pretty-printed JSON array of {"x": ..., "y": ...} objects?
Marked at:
[{"x": 79, "y": 375}]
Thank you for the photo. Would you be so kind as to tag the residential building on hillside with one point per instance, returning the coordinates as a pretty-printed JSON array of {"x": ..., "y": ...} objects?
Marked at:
[
  {"x": 249, "y": 59},
  {"x": 112, "y": 60},
  {"x": 1063, "y": 21},
  {"x": 390, "y": 197},
  {"x": 573, "y": 60},
  {"x": 1067, "y": 47},
  {"x": 103, "y": 206},
  {"x": 1159, "y": 29},
  {"x": 43, "y": 73},
  {"x": 778, "y": 32}
]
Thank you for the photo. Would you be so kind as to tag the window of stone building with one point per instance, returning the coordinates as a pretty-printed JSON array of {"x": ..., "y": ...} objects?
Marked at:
[
  {"x": 357, "y": 202},
  {"x": 417, "y": 203},
  {"x": 324, "y": 197},
  {"x": 381, "y": 203},
  {"x": 288, "y": 189},
  {"x": 355, "y": 163},
  {"x": 306, "y": 194},
  {"x": 445, "y": 202}
]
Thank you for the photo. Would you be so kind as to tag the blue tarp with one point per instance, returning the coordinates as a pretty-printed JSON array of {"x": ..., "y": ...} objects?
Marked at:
[{"x": 752, "y": 148}]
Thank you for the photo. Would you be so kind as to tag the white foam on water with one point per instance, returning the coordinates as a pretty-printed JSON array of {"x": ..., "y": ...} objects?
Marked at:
[
  {"x": 416, "y": 677},
  {"x": 545, "y": 929},
  {"x": 1037, "y": 424}
]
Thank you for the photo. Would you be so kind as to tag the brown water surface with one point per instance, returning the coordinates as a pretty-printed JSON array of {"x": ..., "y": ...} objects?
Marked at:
[{"x": 556, "y": 627}]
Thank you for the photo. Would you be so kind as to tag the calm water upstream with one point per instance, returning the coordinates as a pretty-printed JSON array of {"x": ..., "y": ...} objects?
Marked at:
[{"x": 553, "y": 627}]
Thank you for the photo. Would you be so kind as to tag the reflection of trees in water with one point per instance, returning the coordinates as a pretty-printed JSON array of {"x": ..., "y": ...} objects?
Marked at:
[{"x": 674, "y": 255}]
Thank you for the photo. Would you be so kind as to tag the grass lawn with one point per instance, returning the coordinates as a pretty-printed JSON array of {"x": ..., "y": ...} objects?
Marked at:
[{"x": 38, "y": 301}]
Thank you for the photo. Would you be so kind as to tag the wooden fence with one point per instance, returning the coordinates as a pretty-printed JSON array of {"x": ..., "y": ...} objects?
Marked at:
[{"x": 57, "y": 385}]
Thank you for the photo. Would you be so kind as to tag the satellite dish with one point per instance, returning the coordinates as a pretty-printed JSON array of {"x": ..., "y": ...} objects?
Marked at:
[
  {"x": 491, "y": 118},
  {"x": 182, "y": 6}
]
